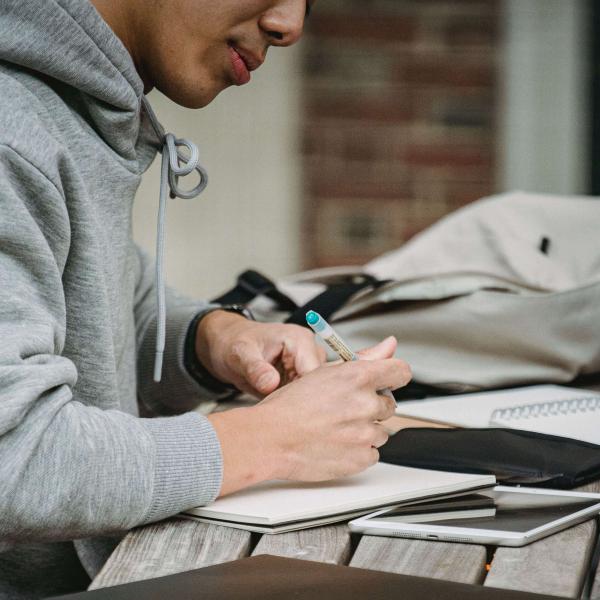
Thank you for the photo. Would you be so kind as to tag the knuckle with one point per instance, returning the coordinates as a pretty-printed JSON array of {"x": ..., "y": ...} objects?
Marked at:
[
  {"x": 405, "y": 370},
  {"x": 390, "y": 407},
  {"x": 364, "y": 438},
  {"x": 306, "y": 334},
  {"x": 301, "y": 333},
  {"x": 378, "y": 406},
  {"x": 382, "y": 438},
  {"x": 236, "y": 351},
  {"x": 373, "y": 457},
  {"x": 365, "y": 407},
  {"x": 360, "y": 375}
]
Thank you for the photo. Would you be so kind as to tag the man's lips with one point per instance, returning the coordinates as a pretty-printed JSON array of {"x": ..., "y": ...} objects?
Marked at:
[{"x": 243, "y": 63}]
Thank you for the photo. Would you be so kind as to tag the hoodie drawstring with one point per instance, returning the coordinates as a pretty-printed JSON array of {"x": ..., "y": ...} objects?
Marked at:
[{"x": 175, "y": 164}]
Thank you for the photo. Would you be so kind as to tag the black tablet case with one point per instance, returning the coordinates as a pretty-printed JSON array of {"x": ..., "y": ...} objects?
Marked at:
[
  {"x": 274, "y": 578},
  {"x": 513, "y": 456}
]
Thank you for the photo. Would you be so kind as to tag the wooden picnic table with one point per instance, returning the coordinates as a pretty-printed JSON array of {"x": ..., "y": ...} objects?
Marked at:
[{"x": 556, "y": 565}]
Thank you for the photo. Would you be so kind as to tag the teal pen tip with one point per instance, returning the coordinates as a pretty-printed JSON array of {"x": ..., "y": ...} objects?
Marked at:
[{"x": 312, "y": 318}]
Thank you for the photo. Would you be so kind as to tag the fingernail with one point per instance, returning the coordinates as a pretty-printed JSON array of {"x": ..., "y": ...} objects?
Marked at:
[{"x": 265, "y": 381}]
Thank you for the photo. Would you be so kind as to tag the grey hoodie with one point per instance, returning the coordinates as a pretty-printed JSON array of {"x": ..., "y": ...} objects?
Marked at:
[{"x": 77, "y": 310}]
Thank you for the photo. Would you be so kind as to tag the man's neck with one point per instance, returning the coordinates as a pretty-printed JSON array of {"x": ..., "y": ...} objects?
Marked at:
[{"x": 120, "y": 17}]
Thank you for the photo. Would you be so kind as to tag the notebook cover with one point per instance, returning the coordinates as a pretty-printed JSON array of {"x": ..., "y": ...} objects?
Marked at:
[
  {"x": 274, "y": 578},
  {"x": 284, "y": 502}
]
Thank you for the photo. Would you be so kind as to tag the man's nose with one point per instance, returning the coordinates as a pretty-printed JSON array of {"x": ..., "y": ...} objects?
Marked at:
[{"x": 284, "y": 23}]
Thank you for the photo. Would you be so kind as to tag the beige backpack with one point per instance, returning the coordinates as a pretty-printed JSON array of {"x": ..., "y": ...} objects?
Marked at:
[{"x": 503, "y": 292}]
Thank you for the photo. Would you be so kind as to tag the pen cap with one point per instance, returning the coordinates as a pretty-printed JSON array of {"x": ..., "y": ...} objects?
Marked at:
[{"x": 318, "y": 324}]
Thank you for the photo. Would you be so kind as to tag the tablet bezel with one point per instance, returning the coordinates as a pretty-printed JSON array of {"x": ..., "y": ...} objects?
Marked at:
[{"x": 467, "y": 535}]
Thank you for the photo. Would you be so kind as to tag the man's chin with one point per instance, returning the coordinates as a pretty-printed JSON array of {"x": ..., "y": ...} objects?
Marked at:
[{"x": 190, "y": 96}]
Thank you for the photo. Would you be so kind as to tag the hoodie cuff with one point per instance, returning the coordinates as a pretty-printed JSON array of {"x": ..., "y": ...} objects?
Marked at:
[
  {"x": 177, "y": 390},
  {"x": 188, "y": 464}
]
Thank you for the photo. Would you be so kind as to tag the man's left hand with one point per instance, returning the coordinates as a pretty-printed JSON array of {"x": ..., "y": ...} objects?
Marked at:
[{"x": 255, "y": 357}]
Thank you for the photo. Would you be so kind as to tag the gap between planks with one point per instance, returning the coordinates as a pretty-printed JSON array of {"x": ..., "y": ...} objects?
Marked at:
[
  {"x": 463, "y": 563},
  {"x": 556, "y": 565},
  {"x": 330, "y": 544},
  {"x": 169, "y": 547}
]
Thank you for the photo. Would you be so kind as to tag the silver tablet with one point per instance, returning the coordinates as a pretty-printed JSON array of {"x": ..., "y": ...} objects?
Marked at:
[{"x": 502, "y": 516}]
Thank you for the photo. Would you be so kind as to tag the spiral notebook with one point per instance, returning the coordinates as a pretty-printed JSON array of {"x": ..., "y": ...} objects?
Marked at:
[
  {"x": 578, "y": 418},
  {"x": 550, "y": 409}
]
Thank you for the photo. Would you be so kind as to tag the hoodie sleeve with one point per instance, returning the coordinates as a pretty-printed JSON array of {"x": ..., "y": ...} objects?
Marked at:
[
  {"x": 69, "y": 470},
  {"x": 177, "y": 390}
]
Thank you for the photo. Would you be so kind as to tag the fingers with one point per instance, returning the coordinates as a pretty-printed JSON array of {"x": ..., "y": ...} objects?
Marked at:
[
  {"x": 386, "y": 407},
  {"x": 254, "y": 369},
  {"x": 390, "y": 373},
  {"x": 384, "y": 349},
  {"x": 307, "y": 355},
  {"x": 372, "y": 407},
  {"x": 380, "y": 436}
]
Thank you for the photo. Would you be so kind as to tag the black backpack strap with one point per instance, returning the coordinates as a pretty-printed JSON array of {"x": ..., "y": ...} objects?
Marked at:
[
  {"x": 333, "y": 298},
  {"x": 251, "y": 284}
]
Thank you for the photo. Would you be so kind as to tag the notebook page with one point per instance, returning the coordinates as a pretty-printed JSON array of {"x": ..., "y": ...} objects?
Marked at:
[
  {"x": 578, "y": 418},
  {"x": 476, "y": 410}
]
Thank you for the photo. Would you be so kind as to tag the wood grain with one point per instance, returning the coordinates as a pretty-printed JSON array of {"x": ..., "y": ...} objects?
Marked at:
[
  {"x": 595, "y": 595},
  {"x": 593, "y": 487},
  {"x": 171, "y": 547},
  {"x": 329, "y": 544},
  {"x": 555, "y": 565},
  {"x": 464, "y": 563}
]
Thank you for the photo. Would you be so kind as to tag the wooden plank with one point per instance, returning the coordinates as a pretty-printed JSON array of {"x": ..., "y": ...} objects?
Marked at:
[
  {"x": 593, "y": 487},
  {"x": 464, "y": 563},
  {"x": 329, "y": 544},
  {"x": 595, "y": 595},
  {"x": 171, "y": 547},
  {"x": 555, "y": 565},
  {"x": 595, "y": 592}
]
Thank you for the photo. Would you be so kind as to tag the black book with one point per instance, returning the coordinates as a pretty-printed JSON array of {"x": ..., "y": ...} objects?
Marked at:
[{"x": 274, "y": 578}]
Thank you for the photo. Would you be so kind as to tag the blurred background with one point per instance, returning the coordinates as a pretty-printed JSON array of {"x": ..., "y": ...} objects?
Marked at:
[{"x": 387, "y": 116}]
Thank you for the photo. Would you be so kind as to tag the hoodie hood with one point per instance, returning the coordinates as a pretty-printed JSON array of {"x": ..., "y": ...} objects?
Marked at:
[{"x": 69, "y": 42}]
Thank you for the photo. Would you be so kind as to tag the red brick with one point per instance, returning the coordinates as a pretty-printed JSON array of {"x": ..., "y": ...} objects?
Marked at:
[
  {"x": 364, "y": 26},
  {"x": 460, "y": 193},
  {"x": 387, "y": 109},
  {"x": 448, "y": 154},
  {"x": 446, "y": 71},
  {"x": 400, "y": 107},
  {"x": 346, "y": 188},
  {"x": 472, "y": 32}
]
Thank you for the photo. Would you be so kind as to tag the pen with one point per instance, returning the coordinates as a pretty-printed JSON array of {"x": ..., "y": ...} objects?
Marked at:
[{"x": 325, "y": 331}]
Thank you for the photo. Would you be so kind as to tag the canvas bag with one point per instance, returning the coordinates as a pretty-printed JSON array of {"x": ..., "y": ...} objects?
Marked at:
[{"x": 503, "y": 292}]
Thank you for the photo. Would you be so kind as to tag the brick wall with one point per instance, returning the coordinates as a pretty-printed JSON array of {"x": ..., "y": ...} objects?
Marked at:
[{"x": 399, "y": 117}]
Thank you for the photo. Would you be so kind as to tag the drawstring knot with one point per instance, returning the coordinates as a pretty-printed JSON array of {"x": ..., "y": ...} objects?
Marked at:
[
  {"x": 175, "y": 164},
  {"x": 180, "y": 166}
]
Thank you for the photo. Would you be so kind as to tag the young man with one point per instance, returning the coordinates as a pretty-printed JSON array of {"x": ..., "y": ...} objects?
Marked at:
[{"x": 77, "y": 308}]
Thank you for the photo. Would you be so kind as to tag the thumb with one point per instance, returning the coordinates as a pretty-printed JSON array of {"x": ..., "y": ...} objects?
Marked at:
[
  {"x": 259, "y": 374},
  {"x": 385, "y": 349}
]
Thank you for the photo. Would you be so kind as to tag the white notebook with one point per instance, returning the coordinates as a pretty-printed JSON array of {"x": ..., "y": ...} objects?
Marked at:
[
  {"x": 278, "y": 506},
  {"x": 577, "y": 418},
  {"x": 550, "y": 409}
]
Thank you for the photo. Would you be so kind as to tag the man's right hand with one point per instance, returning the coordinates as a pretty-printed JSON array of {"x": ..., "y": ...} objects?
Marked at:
[{"x": 322, "y": 426}]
